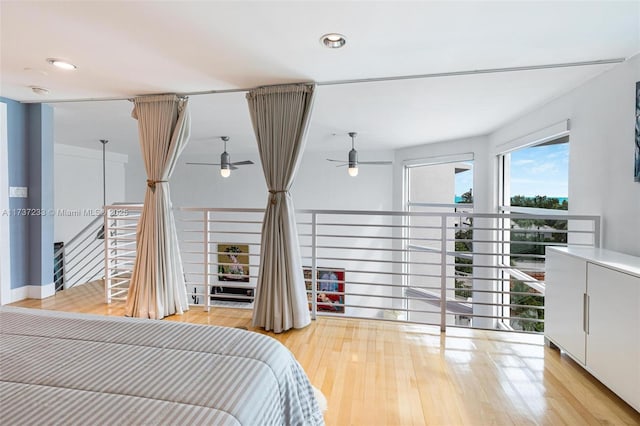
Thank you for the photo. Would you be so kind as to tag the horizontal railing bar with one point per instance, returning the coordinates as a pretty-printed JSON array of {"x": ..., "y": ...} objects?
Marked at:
[
  {"x": 362, "y": 248},
  {"x": 503, "y": 317},
  {"x": 119, "y": 265},
  {"x": 441, "y": 205},
  {"x": 396, "y": 262},
  {"x": 119, "y": 274},
  {"x": 234, "y": 232},
  {"x": 126, "y": 255},
  {"x": 499, "y": 292},
  {"x": 115, "y": 245},
  {"x": 471, "y": 277},
  {"x": 119, "y": 292},
  {"x": 253, "y": 222},
  {"x": 502, "y": 305},
  {"x": 123, "y": 236},
  {"x": 398, "y": 213},
  {"x": 231, "y": 210},
  {"x": 374, "y": 225},
  {"x": 374, "y": 237}
]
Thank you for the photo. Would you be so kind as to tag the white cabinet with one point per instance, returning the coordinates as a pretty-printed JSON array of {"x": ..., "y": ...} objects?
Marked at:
[
  {"x": 613, "y": 333},
  {"x": 564, "y": 303},
  {"x": 592, "y": 312}
]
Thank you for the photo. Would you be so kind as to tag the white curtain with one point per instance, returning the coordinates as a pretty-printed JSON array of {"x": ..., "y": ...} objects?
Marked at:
[
  {"x": 157, "y": 287},
  {"x": 280, "y": 117}
]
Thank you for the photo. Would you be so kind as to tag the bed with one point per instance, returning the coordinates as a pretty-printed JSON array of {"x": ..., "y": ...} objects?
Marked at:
[{"x": 64, "y": 368}]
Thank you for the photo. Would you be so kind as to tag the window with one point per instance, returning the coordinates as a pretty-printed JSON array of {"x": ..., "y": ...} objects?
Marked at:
[
  {"x": 441, "y": 185},
  {"x": 534, "y": 181}
]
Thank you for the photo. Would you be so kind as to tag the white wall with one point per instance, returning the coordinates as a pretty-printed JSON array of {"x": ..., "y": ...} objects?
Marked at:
[
  {"x": 78, "y": 186},
  {"x": 318, "y": 184},
  {"x": 601, "y": 114}
]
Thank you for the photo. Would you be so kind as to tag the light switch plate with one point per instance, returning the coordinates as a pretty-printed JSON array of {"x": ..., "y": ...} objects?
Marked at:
[{"x": 18, "y": 191}]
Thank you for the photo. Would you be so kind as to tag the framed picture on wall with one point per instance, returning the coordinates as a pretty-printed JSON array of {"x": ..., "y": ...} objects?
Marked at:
[
  {"x": 233, "y": 262},
  {"x": 636, "y": 172},
  {"x": 330, "y": 289}
]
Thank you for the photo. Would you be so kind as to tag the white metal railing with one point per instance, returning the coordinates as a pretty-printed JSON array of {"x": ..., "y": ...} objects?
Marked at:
[
  {"x": 121, "y": 227},
  {"x": 442, "y": 268}
]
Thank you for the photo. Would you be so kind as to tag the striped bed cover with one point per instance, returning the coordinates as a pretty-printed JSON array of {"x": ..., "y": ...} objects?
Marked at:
[{"x": 63, "y": 368}]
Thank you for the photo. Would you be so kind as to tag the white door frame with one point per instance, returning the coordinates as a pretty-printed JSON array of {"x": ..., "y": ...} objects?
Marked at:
[{"x": 5, "y": 247}]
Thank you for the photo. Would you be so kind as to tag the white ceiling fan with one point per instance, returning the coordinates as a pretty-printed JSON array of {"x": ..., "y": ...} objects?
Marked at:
[
  {"x": 353, "y": 159},
  {"x": 225, "y": 161}
]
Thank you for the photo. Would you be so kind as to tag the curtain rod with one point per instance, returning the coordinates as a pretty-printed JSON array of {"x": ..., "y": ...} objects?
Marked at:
[{"x": 369, "y": 80}]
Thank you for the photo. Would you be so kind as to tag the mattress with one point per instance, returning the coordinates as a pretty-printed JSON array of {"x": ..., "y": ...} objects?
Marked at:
[{"x": 64, "y": 368}]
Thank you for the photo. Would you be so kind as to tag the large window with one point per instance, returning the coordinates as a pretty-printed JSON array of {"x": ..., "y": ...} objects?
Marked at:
[
  {"x": 534, "y": 179},
  {"x": 442, "y": 185}
]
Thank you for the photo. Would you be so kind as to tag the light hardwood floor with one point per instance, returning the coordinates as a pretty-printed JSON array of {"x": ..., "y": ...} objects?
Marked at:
[{"x": 384, "y": 373}]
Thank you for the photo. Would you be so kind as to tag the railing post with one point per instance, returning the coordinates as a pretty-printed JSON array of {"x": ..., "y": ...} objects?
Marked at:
[
  {"x": 314, "y": 266},
  {"x": 406, "y": 258},
  {"x": 107, "y": 274},
  {"x": 64, "y": 266},
  {"x": 443, "y": 273},
  {"x": 205, "y": 239}
]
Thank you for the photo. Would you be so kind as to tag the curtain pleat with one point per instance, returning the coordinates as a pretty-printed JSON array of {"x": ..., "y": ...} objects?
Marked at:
[
  {"x": 280, "y": 117},
  {"x": 157, "y": 286}
]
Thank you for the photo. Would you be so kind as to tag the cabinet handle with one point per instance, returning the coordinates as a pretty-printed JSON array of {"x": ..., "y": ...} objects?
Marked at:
[{"x": 585, "y": 314}]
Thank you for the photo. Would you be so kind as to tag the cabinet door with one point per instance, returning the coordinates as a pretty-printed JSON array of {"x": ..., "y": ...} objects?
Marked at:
[
  {"x": 613, "y": 338},
  {"x": 565, "y": 289}
]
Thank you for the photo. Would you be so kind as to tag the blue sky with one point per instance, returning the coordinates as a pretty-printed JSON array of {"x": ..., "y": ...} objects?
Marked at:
[
  {"x": 540, "y": 170},
  {"x": 537, "y": 170}
]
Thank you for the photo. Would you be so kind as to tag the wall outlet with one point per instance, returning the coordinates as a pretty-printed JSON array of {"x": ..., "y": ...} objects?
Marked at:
[{"x": 18, "y": 191}]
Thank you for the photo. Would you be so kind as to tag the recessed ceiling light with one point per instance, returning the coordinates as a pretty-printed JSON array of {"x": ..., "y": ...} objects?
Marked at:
[
  {"x": 333, "y": 40},
  {"x": 39, "y": 90},
  {"x": 61, "y": 64}
]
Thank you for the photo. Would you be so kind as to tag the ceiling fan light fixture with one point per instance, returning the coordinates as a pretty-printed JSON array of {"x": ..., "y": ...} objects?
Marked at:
[
  {"x": 225, "y": 161},
  {"x": 353, "y": 158},
  {"x": 333, "y": 40},
  {"x": 62, "y": 64}
]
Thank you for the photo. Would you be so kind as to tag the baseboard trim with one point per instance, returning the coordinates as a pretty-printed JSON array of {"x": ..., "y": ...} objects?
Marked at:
[{"x": 32, "y": 292}]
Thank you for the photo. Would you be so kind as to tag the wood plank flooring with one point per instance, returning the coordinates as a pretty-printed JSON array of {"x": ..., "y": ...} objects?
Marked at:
[{"x": 384, "y": 373}]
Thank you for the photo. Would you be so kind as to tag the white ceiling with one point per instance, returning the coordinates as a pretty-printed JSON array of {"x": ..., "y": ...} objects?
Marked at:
[{"x": 124, "y": 49}]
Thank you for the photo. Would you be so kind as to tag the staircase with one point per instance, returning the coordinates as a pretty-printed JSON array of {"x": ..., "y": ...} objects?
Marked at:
[{"x": 81, "y": 260}]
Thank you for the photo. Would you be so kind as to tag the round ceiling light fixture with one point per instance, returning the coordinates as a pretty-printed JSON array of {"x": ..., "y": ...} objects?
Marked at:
[
  {"x": 333, "y": 40},
  {"x": 64, "y": 65},
  {"x": 39, "y": 90}
]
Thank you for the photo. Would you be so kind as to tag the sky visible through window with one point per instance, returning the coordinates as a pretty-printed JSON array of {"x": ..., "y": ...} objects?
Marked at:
[
  {"x": 464, "y": 182},
  {"x": 537, "y": 170},
  {"x": 540, "y": 170}
]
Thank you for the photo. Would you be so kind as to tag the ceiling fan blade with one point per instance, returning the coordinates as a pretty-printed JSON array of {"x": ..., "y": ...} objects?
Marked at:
[
  {"x": 204, "y": 164},
  {"x": 342, "y": 165},
  {"x": 232, "y": 167},
  {"x": 379, "y": 163},
  {"x": 242, "y": 163},
  {"x": 337, "y": 161}
]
